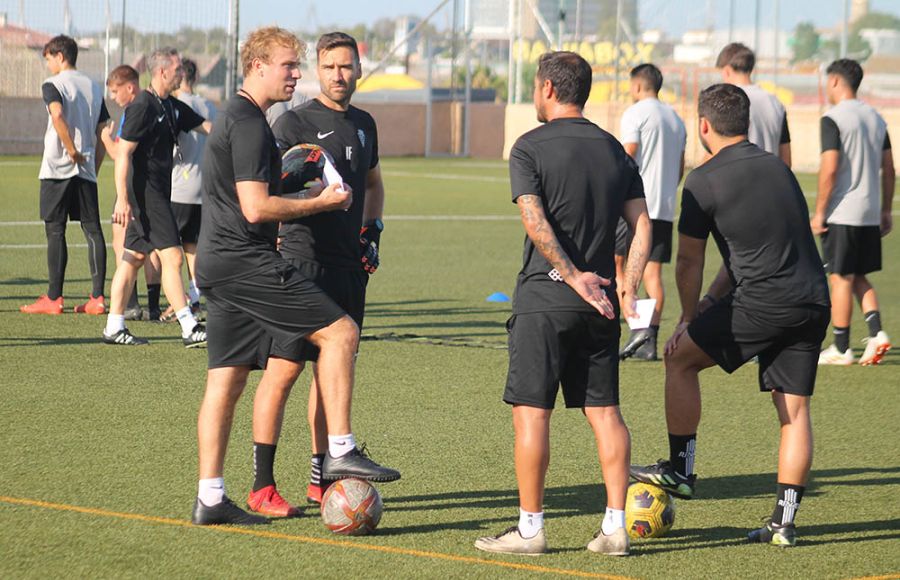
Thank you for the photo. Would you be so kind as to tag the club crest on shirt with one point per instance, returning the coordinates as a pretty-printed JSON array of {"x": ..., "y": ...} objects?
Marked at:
[{"x": 362, "y": 137}]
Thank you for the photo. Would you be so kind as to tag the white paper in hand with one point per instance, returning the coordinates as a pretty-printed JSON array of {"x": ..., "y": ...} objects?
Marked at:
[
  {"x": 644, "y": 309},
  {"x": 331, "y": 174}
]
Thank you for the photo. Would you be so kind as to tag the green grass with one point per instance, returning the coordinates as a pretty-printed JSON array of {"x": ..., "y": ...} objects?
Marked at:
[{"x": 113, "y": 430}]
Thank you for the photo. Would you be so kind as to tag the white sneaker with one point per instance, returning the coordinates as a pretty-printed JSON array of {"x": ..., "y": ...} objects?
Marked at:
[
  {"x": 512, "y": 542},
  {"x": 832, "y": 356},
  {"x": 876, "y": 347}
]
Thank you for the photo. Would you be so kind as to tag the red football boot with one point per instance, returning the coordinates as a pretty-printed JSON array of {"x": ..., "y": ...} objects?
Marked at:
[
  {"x": 95, "y": 305},
  {"x": 44, "y": 305},
  {"x": 268, "y": 502}
]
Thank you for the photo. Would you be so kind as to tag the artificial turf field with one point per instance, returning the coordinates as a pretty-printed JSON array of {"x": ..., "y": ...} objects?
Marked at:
[{"x": 98, "y": 448}]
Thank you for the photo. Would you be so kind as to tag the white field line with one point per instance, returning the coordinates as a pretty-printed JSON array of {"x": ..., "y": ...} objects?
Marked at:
[{"x": 447, "y": 176}]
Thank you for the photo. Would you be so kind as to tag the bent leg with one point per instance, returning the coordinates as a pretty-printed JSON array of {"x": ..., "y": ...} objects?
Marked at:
[
  {"x": 271, "y": 396},
  {"x": 683, "y": 386},
  {"x": 337, "y": 344}
]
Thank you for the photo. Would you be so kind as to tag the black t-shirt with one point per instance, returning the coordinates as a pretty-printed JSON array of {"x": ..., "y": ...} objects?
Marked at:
[
  {"x": 583, "y": 177},
  {"x": 831, "y": 136},
  {"x": 330, "y": 238},
  {"x": 241, "y": 147},
  {"x": 154, "y": 125},
  {"x": 51, "y": 94},
  {"x": 785, "y": 132},
  {"x": 753, "y": 206}
]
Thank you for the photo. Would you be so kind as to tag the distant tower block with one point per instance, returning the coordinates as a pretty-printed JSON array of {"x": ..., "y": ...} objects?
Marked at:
[{"x": 858, "y": 9}]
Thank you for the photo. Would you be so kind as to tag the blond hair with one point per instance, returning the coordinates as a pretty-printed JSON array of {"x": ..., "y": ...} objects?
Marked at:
[{"x": 262, "y": 41}]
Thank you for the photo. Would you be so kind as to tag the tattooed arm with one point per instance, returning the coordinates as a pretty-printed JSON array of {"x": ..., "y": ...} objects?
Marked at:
[
  {"x": 588, "y": 285},
  {"x": 635, "y": 213}
]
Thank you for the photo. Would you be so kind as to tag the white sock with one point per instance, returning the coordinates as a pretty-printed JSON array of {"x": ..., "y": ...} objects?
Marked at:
[
  {"x": 186, "y": 320},
  {"x": 340, "y": 445},
  {"x": 211, "y": 491},
  {"x": 114, "y": 323},
  {"x": 612, "y": 521},
  {"x": 193, "y": 292},
  {"x": 530, "y": 523}
]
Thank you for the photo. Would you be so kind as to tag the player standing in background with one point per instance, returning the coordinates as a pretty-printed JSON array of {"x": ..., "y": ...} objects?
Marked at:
[
  {"x": 768, "y": 119},
  {"x": 338, "y": 250},
  {"x": 654, "y": 136},
  {"x": 124, "y": 85},
  {"x": 149, "y": 137},
  {"x": 853, "y": 210},
  {"x": 73, "y": 153},
  {"x": 770, "y": 299},
  {"x": 571, "y": 181},
  {"x": 186, "y": 176},
  {"x": 255, "y": 299}
]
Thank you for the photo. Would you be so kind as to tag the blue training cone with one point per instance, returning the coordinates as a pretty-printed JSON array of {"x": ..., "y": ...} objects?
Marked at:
[{"x": 497, "y": 297}]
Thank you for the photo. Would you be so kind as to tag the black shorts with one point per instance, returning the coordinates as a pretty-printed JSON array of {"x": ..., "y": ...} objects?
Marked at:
[
  {"x": 579, "y": 350},
  {"x": 74, "y": 198},
  {"x": 153, "y": 226},
  {"x": 248, "y": 317},
  {"x": 660, "y": 245},
  {"x": 787, "y": 342},
  {"x": 622, "y": 238},
  {"x": 187, "y": 218},
  {"x": 851, "y": 249},
  {"x": 348, "y": 290}
]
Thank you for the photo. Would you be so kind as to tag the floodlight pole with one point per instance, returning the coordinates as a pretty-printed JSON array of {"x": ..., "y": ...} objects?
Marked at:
[
  {"x": 756, "y": 28},
  {"x": 429, "y": 96},
  {"x": 730, "y": 21},
  {"x": 467, "y": 59},
  {"x": 511, "y": 63},
  {"x": 519, "y": 56},
  {"x": 618, "y": 39},
  {"x": 231, "y": 54},
  {"x": 844, "y": 29},
  {"x": 777, "y": 38},
  {"x": 122, "y": 37}
]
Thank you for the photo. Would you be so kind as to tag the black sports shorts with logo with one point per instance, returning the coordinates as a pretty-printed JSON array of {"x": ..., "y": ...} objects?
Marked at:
[
  {"x": 787, "y": 341},
  {"x": 345, "y": 286},
  {"x": 74, "y": 198},
  {"x": 850, "y": 250},
  {"x": 578, "y": 350},
  {"x": 274, "y": 310},
  {"x": 187, "y": 219}
]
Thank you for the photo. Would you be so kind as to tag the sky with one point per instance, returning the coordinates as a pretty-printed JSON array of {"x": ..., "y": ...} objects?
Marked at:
[{"x": 674, "y": 16}]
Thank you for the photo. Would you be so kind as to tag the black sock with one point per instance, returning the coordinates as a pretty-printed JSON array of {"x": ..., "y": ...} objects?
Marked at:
[
  {"x": 787, "y": 504},
  {"x": 681, "y": 453},
  {"x": 873, "y": 319},
  {"x": 263, "y": 465},
  {"x": 57, "y": 257},
  {"x": 842, "y": 338},
  {"x": 153, "y": 296},
  {"x": 315, "y": 472}
]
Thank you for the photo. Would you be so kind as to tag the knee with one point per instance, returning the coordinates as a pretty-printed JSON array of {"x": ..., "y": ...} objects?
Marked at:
[
  {"x": 55, "y": 229},
  {"x": 346, "y": 331},
  {"x": 92, "y": 228}
]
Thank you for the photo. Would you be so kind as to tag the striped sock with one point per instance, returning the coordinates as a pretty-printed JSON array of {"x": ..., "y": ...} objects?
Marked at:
[
  {"x": 681, "y": 453},
  {"x": 315, "y": 472},
  {"x": 788, "y": 503}
]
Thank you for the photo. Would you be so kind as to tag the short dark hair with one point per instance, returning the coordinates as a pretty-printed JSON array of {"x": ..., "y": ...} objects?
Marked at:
[
  {"x": 333, "y": 40},
  {"x": 570, "y": 75},
  {"x": 727, "y": 108},
  {"x": 847, "y": 69},
  {"x": 738, "y": 57},
  {"x": 62, "y": 44},
  {"x": 649, "y": 74},
  {"x": 122, "y": 74},
  {"x": 190, "y": 70}
]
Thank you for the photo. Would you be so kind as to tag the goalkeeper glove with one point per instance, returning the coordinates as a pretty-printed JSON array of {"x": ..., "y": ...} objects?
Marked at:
[{"x": 369, "y": 237}]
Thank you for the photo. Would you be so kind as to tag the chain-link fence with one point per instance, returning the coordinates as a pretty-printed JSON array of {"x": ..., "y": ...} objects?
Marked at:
[{"x": 109, "y": 33}]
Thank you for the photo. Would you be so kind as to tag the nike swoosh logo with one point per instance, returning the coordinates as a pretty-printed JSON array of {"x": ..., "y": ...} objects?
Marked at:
[
  {"x": 161, "y": 117},
  {"x": 323, "y": 135}
]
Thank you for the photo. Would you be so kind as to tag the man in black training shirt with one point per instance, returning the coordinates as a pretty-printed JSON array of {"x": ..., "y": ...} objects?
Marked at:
[
  {"x": 572, "y": 181},
  {"x": 254, "y": 297},
  {"x": 337, "y": 249},
  {"x": 769, "y": 300},
  {"x": 150, "y": 131}
]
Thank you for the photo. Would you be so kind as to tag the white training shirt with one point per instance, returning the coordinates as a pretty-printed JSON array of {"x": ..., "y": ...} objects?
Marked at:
[
  {"x": 768, "y": 120},
  {"x": 186, "y": 178},
  {"x": 661, "y": 136}
]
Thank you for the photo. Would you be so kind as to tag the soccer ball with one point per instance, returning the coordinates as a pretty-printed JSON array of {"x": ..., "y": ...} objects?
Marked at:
[
  {"x": 649, "y": 511},
  {"x": 351, "y": 507},
  {"x": 300, "y": 166}
]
